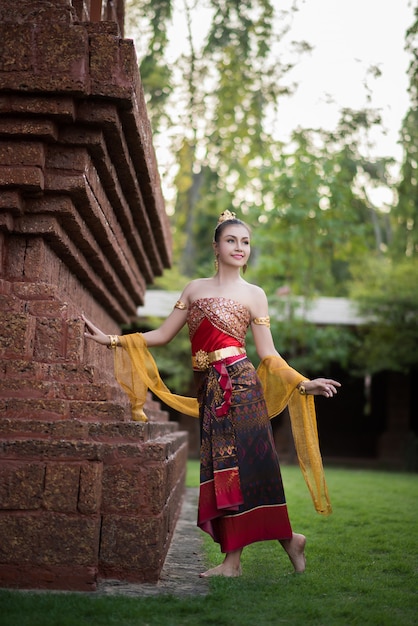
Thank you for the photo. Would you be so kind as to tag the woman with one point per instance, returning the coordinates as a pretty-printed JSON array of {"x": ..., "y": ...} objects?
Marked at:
[{"x": 241, "y": 497}]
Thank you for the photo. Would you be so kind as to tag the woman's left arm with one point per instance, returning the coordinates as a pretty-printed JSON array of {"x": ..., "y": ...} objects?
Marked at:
[{"x": 264, "y": 345}]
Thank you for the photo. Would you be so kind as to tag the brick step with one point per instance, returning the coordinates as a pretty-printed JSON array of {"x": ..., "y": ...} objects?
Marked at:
[
  {"x": 45, "y": 450},
  {"x": 82, "y": 400},
  {"x": 69, "y": 373},
  {"x": 84, "y": 431},
  {"x": 57, "y": 409},
  {"x": 29, "y": 389},
  {"x": 153, "y": 410}
]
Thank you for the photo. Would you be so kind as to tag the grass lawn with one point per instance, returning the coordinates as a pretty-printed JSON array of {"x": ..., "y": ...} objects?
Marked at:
[{"x": 362, "y": 569}]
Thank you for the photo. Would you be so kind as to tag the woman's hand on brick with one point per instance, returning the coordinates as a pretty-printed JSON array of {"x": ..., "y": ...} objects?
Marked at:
[{"x": 95, "y": 333}]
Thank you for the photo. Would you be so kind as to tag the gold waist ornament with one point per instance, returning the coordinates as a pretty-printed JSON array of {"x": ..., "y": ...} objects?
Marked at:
[{"x": 201, "y": 360}]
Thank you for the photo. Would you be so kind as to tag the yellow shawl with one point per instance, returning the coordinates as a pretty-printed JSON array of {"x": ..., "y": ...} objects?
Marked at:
[{"x": 136, "y": 372}]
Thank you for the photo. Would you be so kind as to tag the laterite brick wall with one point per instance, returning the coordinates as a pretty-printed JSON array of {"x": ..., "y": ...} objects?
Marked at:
[{"x": 85, "y": 492}]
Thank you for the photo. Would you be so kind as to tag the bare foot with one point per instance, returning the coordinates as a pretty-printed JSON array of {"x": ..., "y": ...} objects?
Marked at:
[
  {"x": 295, "y": 548},
  {"x": 222, "y": 570}
]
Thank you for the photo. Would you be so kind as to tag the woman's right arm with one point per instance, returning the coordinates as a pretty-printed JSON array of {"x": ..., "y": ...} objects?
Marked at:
[
  {"x": 158, "y": 337},
  {"x": 168, "y": 329}
]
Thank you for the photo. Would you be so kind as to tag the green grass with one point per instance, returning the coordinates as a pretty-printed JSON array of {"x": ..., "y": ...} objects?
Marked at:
[{"x": 362, "y": 569}]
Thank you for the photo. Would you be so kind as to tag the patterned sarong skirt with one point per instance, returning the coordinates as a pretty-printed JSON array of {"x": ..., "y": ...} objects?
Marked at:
[{"x": 241, "y": 498}]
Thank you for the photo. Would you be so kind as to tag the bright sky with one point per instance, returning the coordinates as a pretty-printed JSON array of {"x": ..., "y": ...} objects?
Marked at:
[{"x": 348, "y": 37}]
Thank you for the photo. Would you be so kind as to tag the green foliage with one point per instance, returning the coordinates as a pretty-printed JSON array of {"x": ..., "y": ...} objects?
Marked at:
[
  {"x": 320, "y": 221},
  {"x": 387, "y": 295},
  {"x": 214, "y": 105},
  {"x": 156, "y": 74},
  {"x": 405, "y": 213},
  {"x": 386, "y": 287}
]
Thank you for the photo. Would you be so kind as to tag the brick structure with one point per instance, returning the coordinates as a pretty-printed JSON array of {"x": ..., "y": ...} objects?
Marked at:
[{"x": 85, "y": 492}]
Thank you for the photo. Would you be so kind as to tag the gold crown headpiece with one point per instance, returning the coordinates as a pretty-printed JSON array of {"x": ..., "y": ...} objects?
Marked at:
[{"x": 225, "y": 216}]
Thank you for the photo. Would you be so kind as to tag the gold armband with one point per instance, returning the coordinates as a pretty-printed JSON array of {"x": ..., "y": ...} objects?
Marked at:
[
  {"x": 180, "y": 305},
  {"x": 262, "y": 321}
]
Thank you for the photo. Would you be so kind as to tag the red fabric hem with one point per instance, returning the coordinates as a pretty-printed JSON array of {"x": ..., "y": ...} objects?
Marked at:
[
  {"x": 221, "y": 494},
  {"x": 264, "y": 523}
]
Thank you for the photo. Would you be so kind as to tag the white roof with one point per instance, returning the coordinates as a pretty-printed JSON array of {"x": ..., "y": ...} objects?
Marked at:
[{"x": 160, "y": 303}]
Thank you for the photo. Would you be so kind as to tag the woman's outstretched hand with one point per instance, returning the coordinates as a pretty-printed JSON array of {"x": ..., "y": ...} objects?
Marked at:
[
  {"x": 322, "y": 387},
  {"x": 95, "y": 333}
]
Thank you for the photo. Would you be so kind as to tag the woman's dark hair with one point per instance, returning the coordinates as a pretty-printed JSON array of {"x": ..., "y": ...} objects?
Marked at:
[{"x": 222, "y": 225}]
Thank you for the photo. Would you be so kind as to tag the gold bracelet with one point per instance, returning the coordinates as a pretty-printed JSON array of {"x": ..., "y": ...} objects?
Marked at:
[
  {"x": 114, "y": 342},
  {"x": 301, "y": 387}
]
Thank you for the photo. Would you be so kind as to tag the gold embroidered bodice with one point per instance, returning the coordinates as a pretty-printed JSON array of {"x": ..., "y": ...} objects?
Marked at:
[{"x": 228, "y": 316}]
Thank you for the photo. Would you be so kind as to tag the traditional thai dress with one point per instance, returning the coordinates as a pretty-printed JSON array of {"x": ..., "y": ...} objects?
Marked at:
[{"x": 241, "y": 493}]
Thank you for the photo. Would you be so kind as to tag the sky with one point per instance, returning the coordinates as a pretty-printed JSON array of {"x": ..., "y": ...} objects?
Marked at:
[{"x": 348, "y": 37}]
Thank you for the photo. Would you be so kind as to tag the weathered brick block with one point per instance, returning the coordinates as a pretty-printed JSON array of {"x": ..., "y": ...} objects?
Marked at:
[
  {"x": 97, "y": 411},
  {"x": 137, "y": 432},
  {"x": 90, "y": 496},
  {"x": 49, "y": 539},
  {"x": 21, "y": 485},
  {"x": 108, "y": 75},
  {"x": 176, "y": 468},
  {"x": 28, "y": 179},
  {"x": 46, "y": 309},
  {"x": 49, "y": 342},
  {"x": 17, "y": 368},
  {"x": 17, "y": 335},
  {"x": 31, "y": 261},
  {"x": 66, "y": 577},
  {"x": 44, "y": 408},
  {"x": 11, "y": 200},
  {"x": 16, "y": 58},
  {"x": 85, "y": 392},
  {"x": 70, "y": 372},
  {"x": 10, "y": 303},
  {"x": 22, "y": 153},
  {"x": 132, "y": 545},
  {"x": 25, "y": 389},
  {"x": 67, "y": 51},
  {"x": 34, "y": 291},
  {"x": 34, "y": 428},
  {"x": 122, "y": 487},
  {"x": 17, "y": 127},
  {"x": 61, "y": 108},
  {"x": 154, "y": 488},
  {"x": 72, "y": 158},
  {"x": 62, "y": 486}
]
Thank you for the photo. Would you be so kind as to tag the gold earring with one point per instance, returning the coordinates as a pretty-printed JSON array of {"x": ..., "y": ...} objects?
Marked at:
[{"x": 216, "y": 263}]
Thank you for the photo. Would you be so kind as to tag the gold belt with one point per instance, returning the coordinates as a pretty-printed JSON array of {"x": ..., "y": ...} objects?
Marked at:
[{"x": 201, "y": 360}]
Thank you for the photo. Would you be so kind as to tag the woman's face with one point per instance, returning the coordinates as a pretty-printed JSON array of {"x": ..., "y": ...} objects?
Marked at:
[{"x": 233, "y": 247}]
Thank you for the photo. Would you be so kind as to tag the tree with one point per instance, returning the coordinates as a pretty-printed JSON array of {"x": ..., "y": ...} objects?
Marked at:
[
  {"x": 219, "y": 93},
  {"x": 405, "y": 214},
  {"x": 387, "y": 295},
  {"x": 213, "y": 106},
  {"x": 317, "y": 221},
  {"x": 386, "y": 289}
]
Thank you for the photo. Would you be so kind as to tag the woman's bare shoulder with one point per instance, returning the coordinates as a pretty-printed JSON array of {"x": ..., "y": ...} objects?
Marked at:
[
  {"x": 195, "y": 289},
  {"x": 256, "y": 291},
  {"x": 257, "y": 300}
]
